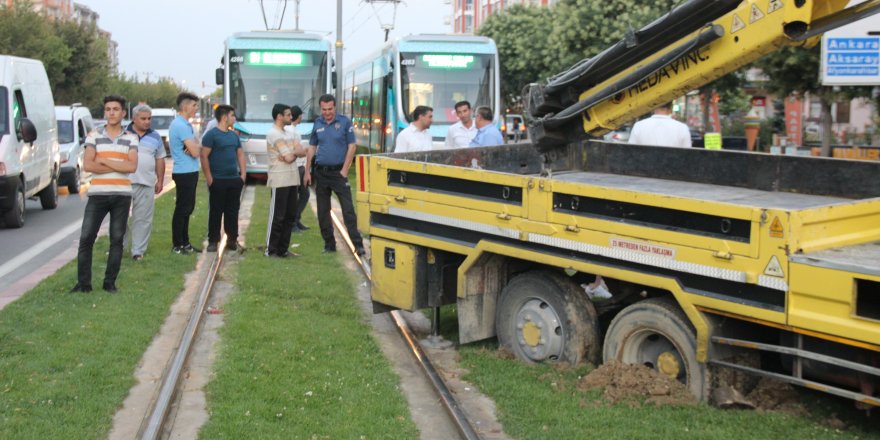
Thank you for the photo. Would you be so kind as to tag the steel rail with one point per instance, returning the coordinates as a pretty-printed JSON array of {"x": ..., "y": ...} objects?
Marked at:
[
  {"x": 451, "y": 406},
  {"x": 152, "y": 426}
]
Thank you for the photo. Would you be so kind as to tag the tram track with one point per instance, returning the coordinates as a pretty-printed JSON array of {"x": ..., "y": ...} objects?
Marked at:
[
  {"x": 450, "y": 404},
  {"x": 157, "y": 421}
]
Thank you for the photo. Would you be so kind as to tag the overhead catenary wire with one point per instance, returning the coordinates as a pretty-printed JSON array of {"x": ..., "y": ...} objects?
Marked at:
[{"x": 367, "y": 20}]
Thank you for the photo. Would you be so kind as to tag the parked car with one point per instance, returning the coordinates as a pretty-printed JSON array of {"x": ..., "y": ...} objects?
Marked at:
[
  {"x": 162, "y": 118},
  {"x": 619, "y": 135},
  {"x": 74, "y": 124},
  {"x": 29, "y": 159},
  {"x": 514, "y": 128}
]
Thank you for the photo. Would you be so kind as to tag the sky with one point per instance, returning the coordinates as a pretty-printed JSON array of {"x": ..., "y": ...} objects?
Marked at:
[{"x": 183, "y": 39}]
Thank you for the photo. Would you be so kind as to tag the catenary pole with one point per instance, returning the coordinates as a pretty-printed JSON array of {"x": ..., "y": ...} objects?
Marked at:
[{"x": 338, "y": 53}]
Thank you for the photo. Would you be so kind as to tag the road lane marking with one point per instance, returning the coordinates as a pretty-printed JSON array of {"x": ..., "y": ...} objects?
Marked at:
[{"x": 39, "y": 248}]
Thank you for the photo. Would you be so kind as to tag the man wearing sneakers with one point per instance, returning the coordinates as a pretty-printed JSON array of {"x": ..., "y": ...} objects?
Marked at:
[
  {"x": 283, "y": 179},
  {"x": 147, "y": 181},
  {"x": 223, "y": 164},
  {"x": 332, "y": 147},
  {"x": 185, "y": 174}
]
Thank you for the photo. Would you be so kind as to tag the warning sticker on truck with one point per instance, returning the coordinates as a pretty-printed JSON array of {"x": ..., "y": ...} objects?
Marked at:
[
  {"x": 643, "y": 248},
  {"x": 776, "y": 229}
]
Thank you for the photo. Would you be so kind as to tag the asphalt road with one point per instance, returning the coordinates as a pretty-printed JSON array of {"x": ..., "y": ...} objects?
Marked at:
[
  {"x": 45, "y": 235},
  {"x": 47, "y": 241}
]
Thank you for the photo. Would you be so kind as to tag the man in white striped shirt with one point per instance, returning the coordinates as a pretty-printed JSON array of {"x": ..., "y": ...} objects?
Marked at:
[{"x": 110, "y": 155}]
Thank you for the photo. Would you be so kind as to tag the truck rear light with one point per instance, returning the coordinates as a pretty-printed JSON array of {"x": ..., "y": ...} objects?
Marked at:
[
  {"x": 361, "y": 175},
  {"x": 868, "y": 299}
]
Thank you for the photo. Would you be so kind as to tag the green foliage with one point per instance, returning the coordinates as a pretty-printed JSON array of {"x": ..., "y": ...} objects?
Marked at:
[
  {"x": 86, "y": 75},
  {"x": 297, "y": 359},
  {"x": 26, "y": 33},
  {"x": 536, "y": 43},
  {"x": 796, "y": 70},
  {"x": 157, "y": 94},
  {"x": 67, "y": 360},
  {"x": 584, "y": 28},
  {"x": 522, "y": 38}
]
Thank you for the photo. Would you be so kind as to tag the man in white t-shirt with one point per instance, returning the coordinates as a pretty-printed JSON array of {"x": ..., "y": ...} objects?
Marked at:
[
  {"x": 462, "y": 132},
  {"x": 416, "y": 137},
  {"x": 661, "y": 130}
]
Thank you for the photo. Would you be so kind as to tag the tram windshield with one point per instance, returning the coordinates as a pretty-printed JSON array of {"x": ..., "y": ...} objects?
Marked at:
[
  {"x": 258, "y": 79},
  {"x": 441, "y": 80}
]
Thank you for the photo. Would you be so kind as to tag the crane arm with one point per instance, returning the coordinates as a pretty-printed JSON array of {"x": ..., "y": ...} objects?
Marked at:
[{"x": 694, "y": 44}]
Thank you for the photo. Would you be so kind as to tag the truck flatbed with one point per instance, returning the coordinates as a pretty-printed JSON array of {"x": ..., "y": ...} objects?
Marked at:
[
  {"x": 702, "y": 191},
  {"x": 860, "y": 258}
]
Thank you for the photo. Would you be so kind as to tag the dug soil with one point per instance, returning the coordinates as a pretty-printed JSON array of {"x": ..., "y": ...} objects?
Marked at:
[{"x": 635, "y": 385}]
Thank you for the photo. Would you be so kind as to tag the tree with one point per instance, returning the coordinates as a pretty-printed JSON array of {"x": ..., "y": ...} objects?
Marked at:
[
  {"x": 26, "y": 33},
  {"x": 584, "y": 28},
  {"x": 523, "y": 48},
  {"x": 796, "y": 69},
  {"x": 86, "y": 75},
  {"x": 158, "y": 94},
  {"x": 537, "y": 43}
]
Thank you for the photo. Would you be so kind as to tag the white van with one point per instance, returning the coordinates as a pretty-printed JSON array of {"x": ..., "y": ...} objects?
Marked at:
[
  {"x": 74, "y": 124},
  {"x": 162, "y": 118},
  {"x": 29, "y": 159}
]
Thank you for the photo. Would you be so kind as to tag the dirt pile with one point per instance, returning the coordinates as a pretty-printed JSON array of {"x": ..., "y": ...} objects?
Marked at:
[{"x": 635, "y": 385}]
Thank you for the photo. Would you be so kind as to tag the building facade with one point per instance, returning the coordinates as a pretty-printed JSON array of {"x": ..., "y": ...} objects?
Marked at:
[
  {"x": 467, "y": 15},
  {"x": 57, "y": 9}
]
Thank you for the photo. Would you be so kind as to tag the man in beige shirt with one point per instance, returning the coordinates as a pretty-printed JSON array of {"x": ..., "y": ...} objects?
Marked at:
[{"x": 283, "y": 180}]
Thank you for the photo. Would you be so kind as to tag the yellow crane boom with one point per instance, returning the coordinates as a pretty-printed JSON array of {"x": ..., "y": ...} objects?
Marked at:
[{"x": 694, "y": 44}]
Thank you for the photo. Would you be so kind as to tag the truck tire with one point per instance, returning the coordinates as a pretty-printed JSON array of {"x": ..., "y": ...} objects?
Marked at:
[
  {"x": 542, "y": 316},
  {"x": 14, "y": 218},
  {"x": 657, "y": 334},
  {"x": 49, "y": 194},
  {"x": 73, "y": 187}
]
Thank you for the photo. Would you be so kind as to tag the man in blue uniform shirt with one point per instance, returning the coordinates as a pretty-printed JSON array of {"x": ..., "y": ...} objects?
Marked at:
[
  {"x": 487, "y": 133},
  {"x": 330, "y": 153}
]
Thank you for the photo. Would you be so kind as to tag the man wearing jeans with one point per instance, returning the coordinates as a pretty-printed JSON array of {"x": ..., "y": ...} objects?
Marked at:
[
  {"x": 185, "y": 152},
  {"x": 110, "y": 155},
  {"x": 223, "y": 164},
  {"x": 332, "y": 147}
]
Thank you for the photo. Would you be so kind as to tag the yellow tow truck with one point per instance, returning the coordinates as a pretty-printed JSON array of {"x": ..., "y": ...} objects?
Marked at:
[{"x": 763, "y": 264}]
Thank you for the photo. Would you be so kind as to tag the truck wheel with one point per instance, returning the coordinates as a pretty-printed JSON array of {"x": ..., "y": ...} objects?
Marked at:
[
  {"x": 14, "y": 218},
  {"x": 49, "y": 194},
  {"x": 546, "y": 317},
  {"x": 657, "y": 334},
  {"x": 73, "y": 187}
]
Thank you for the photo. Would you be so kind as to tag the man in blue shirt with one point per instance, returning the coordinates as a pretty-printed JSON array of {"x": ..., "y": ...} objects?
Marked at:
[
  {"x": 185, "y": 174},
  {"x": 487, "y": 133},
  {"x": 223, "y": 164},
  {"x": 330, "y": 153}
]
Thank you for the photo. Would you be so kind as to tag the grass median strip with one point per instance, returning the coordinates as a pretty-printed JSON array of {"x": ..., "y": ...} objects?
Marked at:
[
  {"x": 66, "y": 360},
  {"x": 544, "y": 402},
  {"x": 297, "y": 358}
]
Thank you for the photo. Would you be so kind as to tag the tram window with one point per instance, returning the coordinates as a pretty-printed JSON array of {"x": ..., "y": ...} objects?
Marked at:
[{"x": 439, "y": 81}]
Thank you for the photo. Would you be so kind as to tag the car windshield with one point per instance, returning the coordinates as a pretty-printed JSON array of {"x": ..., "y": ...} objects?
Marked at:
[
  {"x": 441, "y": 80},
  {"x": 161, "y": 122},
  {"x": 260, "y": 79},
  {"x": 65, "y": 132}
]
